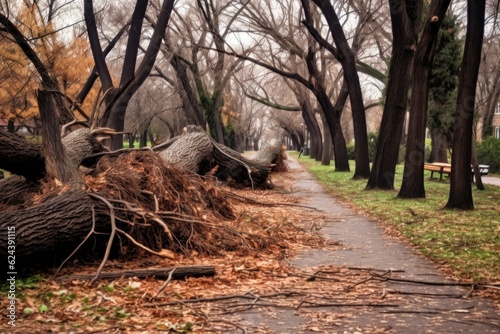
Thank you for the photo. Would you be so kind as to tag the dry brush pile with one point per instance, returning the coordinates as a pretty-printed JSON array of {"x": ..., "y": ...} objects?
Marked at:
[{"x": 134, "y": 201}]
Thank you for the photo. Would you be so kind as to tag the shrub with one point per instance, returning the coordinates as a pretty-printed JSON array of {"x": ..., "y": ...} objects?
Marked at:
[
  {"x": 350, "y": 151},
  {"x": 372, "y": 145},
  {"x": 488, "y": 153}
]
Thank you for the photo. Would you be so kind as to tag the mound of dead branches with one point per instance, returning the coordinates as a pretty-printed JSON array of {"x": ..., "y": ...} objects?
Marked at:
[
  {"x": 139, "y": 203},
  {"x": 164, "y": 207}
]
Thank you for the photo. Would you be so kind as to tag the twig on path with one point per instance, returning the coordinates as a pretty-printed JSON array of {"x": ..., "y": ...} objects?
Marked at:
[
  {"x": 367, "y": 280},
  {"x": 373, "y": 269},
  {"x": 243, "y": 329},
  {"x": 314, "y": 304},
  {"x": 424, "y": 294},
  {"x": 383, "y": 278},
  {"x": 411, "y": 312},
  {"x": 224, "y": 297},
  {"x": 470, "y": 292},
  {"x": 484, "y": 323},
  {"x": 169, "y": 278},
  {"x": 315, "y": 275}
]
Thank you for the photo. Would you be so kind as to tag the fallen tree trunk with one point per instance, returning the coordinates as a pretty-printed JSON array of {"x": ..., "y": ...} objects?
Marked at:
[
  {"x": 188, "y": 151},
  {"x": 136, "y": 195},
  {"x": 16, "y": 192},
  {"x": 21, "y": 157},
  {"x": 196, "y": 152},
  {"x": 53, "y": 225}
]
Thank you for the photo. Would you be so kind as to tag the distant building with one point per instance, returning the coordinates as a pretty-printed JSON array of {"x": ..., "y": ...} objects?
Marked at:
[
  {"x": 20, "y": 126},
  {"x": 496, "y": 122}
]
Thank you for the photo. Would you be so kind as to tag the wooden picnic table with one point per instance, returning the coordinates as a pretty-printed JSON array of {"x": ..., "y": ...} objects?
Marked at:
[
  {"x": 445, "y": 168},
  {"x": 438, "y": 167}
]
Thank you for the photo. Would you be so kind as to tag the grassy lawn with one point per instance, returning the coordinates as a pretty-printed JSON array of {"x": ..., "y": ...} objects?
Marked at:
[{"x": 467, "y": 242}]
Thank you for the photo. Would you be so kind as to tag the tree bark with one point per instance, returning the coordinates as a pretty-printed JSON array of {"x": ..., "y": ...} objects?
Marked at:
[
  {"x": 53, "y": 225},
  {"x": 196, "y": 152},
  {"x": 312, "y": 127},
  {"x": 57, "y": 163},
  {"x": 339, "y": 144},
  {"x": 189, "y": 151},
  {"x": 326, "y": 155},
  {"x": 405, "y": 20},
  {"x": 20, "y": 157},
  {"x": 439, "y": 150},
  {"x": 15, "y": 192},
  {"x": 460, "y": 196},
  {"x": 413, "y": 175},
  {"x": 26, "y": 159},
  {"x": 346, "y": 58}
]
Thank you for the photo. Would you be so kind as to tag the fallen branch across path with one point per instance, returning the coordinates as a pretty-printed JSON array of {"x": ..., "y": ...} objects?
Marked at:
[
  {"x": 425, "y": 294},
  {"x": 260, "y": 300},
  {"x": 224, "y": 297},
  {"x": 464, "y": 284},
  {"x": 180, "y": 272}
]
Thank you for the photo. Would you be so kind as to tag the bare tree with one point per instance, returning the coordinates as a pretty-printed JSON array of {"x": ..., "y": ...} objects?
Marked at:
[
  {"x": 413, "y": 177},
  {"x": 132, "y": 76},
  {"x": 345, "y": 56},
  {"x": 405, "y": 18}
]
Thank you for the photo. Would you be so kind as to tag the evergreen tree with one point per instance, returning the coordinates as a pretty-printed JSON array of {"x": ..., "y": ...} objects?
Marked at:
[{"x": 443, "y": 88}]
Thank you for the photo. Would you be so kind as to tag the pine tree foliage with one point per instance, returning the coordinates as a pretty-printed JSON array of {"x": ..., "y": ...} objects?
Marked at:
[{"x": 444, "y": 80}]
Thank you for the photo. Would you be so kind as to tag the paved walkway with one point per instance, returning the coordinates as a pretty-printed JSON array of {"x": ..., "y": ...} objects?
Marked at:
[
  {"x": 492, "y": 180},
  {"x": 436, "y": 309}
]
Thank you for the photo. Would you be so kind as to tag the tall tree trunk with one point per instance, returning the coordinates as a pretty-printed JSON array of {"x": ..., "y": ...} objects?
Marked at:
[
  {"x": 327, "y": 143},
  {"x": 460, "y": 196},
  {"x": 10, "y": 126},
  {"x": 143, "y": 138},
  {"x": 331, "y": 113},
  {"x": 339, "y": 144},
  {"x": 194, "y": 114},
  {"x": 413, "y": 175},
  {"x": 362, "y": 169},
  {"x": 117, "y": 99},
  {"x": 405, "y": 19},
  {"x": 439, "y": 149},
  {"x": 491, "y": 106},
  {"x": 57, "y": 163},
  {"x": 313, "y": 128},
  {"x": 475, "y": 164},
  {"x": 255, "y": 144},
  {"x": 131, "y": 141}
]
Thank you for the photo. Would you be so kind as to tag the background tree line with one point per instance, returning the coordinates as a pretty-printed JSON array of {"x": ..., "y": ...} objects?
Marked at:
[{"x": 250, "y": 70}]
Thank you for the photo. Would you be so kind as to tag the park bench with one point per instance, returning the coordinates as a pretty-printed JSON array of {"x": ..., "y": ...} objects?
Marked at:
[{"x": 445, "y": 168}]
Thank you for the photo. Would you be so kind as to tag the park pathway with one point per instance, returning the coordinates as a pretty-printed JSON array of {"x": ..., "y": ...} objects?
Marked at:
[{"x": 423, "y": 308}]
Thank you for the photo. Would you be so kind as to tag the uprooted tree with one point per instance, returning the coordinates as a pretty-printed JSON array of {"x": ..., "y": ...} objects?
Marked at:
[
  {"x": 67, "y": 191},
  {"x": 71, "y": 193}
]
